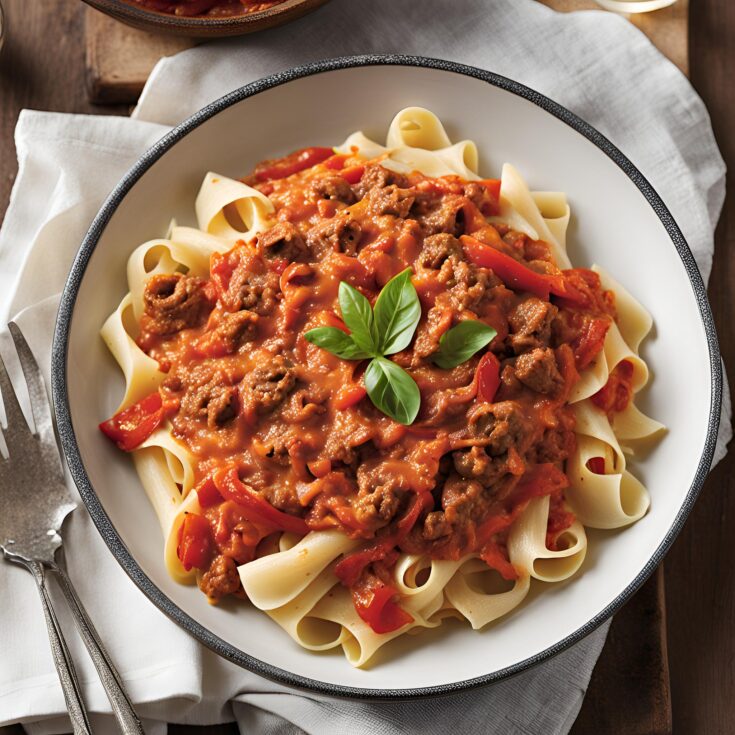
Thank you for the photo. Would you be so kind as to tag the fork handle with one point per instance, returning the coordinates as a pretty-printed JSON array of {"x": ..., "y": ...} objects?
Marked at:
[
  {"x": 62, "y": 657},
  {"x": 111, "y": 681}
]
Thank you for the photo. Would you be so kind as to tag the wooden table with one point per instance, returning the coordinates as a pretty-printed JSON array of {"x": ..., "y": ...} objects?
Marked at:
[
  {"x": 43, "y": 67},
  {"x": 119, "y": 58}
]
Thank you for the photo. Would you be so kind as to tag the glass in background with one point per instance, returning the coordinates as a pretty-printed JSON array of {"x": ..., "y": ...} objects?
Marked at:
[{"x": 634, "y": 6}]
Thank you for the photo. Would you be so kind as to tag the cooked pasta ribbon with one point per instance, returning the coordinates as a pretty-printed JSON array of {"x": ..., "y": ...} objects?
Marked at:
[
  {"x": 250, "y": 210},
  {"x": 294, "y": 579}
]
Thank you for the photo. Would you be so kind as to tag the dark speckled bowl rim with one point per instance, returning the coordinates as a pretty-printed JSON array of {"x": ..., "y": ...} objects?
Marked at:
[{"x": 103, "y": 523}]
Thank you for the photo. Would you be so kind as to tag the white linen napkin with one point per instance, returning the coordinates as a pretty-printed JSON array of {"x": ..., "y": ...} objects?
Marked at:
[{"x": 594, "y": 63}]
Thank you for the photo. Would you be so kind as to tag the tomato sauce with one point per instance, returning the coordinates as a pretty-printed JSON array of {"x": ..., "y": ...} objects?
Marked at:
[
  {"x": 617, "y": 393},
  {"x": 206, "y": 8},
  {"x": 283, "y": 433}
]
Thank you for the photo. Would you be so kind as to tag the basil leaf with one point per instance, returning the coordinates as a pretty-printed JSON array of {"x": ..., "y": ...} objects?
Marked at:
[
  {"x": 392, "y": 390},
  {"x": 357, "y": 314},
  {"x": 461, "y": 342},
  {"x": 397, "y": 312},
  {"x": 337, "y": 342}
]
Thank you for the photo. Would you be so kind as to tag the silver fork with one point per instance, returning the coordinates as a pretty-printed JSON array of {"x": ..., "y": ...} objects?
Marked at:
[{"x": 35, "y": 501}]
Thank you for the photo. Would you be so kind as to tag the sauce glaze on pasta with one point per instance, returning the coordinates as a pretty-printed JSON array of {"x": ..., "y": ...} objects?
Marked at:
[{"x": 289, "y": 485}]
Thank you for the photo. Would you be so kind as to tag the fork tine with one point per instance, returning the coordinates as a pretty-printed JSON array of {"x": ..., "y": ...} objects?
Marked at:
[
  {"x": 17, "y": 428},
  {"x": 36, "y": 386}
]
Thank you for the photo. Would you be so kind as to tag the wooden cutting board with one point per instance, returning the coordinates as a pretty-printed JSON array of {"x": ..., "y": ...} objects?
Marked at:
[{"x": 119, "y": 59}]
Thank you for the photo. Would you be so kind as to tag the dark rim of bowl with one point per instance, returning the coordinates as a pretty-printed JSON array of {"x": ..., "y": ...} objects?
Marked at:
[
  {"x": 102, "y": 521},
  {"x": 154, "y": 17}
]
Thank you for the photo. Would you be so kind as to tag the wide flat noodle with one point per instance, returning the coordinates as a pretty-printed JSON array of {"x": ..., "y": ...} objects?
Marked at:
[
  {"x": 556, "y": 213},
  {"x": 293, "y": 580},
  {"x": 527, "y": 545},
  {"x": 179, "y": 460},
  {"x": 610, "y": 500},
  {"x": 632, "y": 426},
  {"x": 360, "y": 642},
  {"x": 306, "y": 627},
  {"x": 141, "y": 372},
  {"x": 165, "y": 497},
  {"x": 417, "y": 127},
  {"x": 633, "y": 319},
  {"x": 471, "y": 592},
  {"x": 274, "y": 580},
  {"x": 520, "y": 210},
  {"x": 358, "y": 143},
  {"x": 421, "y": 581},
  {"x": 218, "y": 192},
  {"x": 417, "y": 141},
  {"x": 615, "y": 350}
]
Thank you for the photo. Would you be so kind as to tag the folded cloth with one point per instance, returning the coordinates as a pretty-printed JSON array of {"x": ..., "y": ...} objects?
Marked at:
[{"x": 594, "y": 63}]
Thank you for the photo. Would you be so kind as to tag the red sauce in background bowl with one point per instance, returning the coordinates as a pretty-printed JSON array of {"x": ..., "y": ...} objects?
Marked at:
[{"x": 206, "y": 8}]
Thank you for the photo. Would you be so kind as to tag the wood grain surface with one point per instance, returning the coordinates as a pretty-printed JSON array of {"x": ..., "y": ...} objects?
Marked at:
[
  {"x": 700, "y": 589},
  {"x": 118, "y": 58},
  {"x": 699, "y": 569}
]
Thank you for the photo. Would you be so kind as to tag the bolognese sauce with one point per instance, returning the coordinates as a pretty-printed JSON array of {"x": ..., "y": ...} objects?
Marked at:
[
  {"x": 207, "y": 8},
  {"x": 284, "y": 435}
]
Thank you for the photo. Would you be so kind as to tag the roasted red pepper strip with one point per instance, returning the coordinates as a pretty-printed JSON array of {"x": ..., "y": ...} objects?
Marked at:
[
  {"x": 280, "y": 168},
  {"x": 516, "y": 275},
  {"x": 591, "y": 341},
  {"x": 488, "y": 377},
  {"x": 208, "y": 493},
  {"x": 258, "y": 508},
  {"x": 495, "y": 524},
  {"x": 196, "y": 544},
  {"x": 350, "y": 568},
  {"x": 419, "y": 503},
  {"x": 494, "y": 557},
  {"x": 336, "y": 162},
  {"x": 352, "y": 174},
  {"x": 376, "y": 607},
  {"x": 132, "y": 426},
  {"x": 493, "y": 186},
  {"x": 349, "y": 395}
]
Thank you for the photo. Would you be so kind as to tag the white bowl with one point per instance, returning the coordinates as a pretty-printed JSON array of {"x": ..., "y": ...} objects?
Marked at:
[{"x": 618, "y": 221}]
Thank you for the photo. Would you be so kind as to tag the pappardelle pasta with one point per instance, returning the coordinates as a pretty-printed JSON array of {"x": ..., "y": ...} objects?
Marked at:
[{"x": 369, "y": 392}]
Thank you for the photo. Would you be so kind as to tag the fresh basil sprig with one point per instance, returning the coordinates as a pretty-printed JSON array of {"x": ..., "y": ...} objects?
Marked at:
[
  {"x": 389, "y": 328},
  {"x": 461, "y": 342},
  {"x": 392, "y": 390},
  {"x": 375, "y": 333},
  {"x": 357, "y": 315},
  {"x": 337, "y": 342},
  {"x": 397, "y": 313}
]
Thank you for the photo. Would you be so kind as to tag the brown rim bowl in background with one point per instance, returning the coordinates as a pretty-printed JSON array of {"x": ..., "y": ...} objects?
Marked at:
[{"x": 204, "y": 27}]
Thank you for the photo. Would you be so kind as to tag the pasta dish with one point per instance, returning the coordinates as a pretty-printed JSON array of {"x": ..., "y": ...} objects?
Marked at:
[{"x": 369, "y": 392}]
